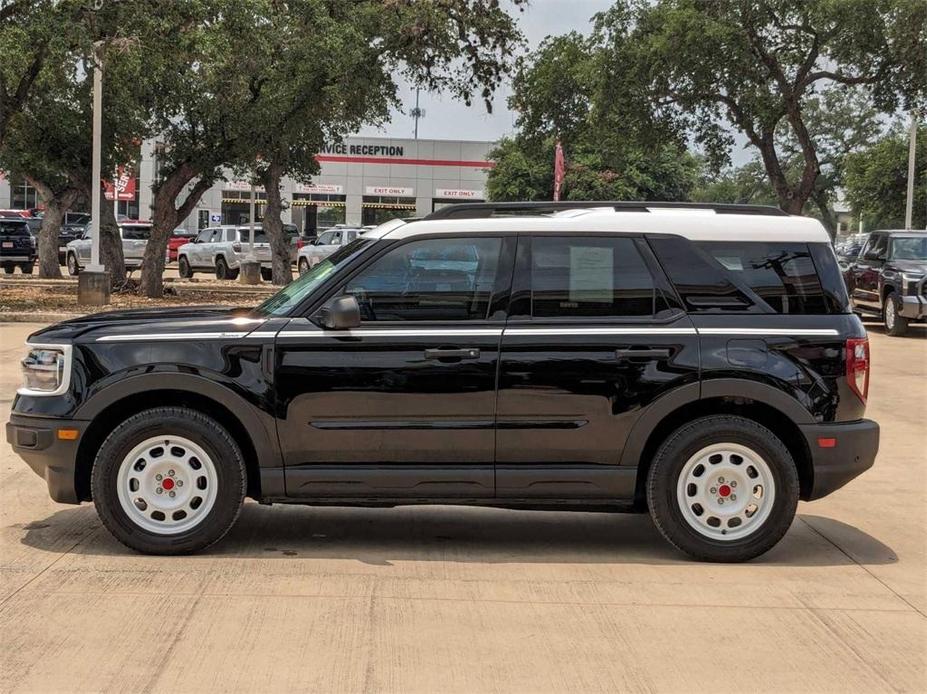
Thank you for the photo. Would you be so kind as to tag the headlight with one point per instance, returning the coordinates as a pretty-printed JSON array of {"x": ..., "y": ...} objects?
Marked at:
[
  {"x": 46, "y": 370},
  {"x": 911, "y": 280}
]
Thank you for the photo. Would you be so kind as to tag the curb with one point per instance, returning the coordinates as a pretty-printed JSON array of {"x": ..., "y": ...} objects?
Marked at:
[{"x": 28, "y": 317}]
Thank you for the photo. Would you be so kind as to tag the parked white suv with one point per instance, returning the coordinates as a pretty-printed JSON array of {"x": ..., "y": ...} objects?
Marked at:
[
  {"x": 135, "y": 237},
  {"x": 327, "y": 243},
  {"x": 221, "y": 250}
]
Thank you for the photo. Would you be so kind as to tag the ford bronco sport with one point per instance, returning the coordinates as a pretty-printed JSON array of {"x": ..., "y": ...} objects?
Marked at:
[{"x": 698, "y": 362}]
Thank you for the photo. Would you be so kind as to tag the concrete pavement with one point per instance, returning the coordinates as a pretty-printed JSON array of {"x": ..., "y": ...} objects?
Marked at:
[{"x": 478, "y": 600}]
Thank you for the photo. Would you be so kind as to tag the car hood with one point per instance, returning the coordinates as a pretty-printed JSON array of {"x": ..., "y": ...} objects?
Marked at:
[
  {"x": 154, "y": 323},
  {"x": 912, "y": 266}
]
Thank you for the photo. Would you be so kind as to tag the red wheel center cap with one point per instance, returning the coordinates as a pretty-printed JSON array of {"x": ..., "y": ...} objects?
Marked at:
[
  {"x": 724, "y": 490},
  {"x": 168, "y": 484}
]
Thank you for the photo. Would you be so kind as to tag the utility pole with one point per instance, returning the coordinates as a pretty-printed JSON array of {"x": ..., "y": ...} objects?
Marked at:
[{"x": 912, "y": 147}]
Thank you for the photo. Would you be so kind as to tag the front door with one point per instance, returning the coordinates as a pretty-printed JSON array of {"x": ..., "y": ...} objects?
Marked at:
[
  {"x": 404, "y": 405},
  {"x": 866, "y": 270},
  {"x": 594, "y": 337}
]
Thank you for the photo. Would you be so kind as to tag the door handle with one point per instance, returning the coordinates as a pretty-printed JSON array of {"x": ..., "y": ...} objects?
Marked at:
[
  {"x": 643, "y": 353},
  {"x": 452, "y": 353}
]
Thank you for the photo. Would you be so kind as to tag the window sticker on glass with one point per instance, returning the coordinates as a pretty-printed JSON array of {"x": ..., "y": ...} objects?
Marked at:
[{"x": 592, "y": 272}]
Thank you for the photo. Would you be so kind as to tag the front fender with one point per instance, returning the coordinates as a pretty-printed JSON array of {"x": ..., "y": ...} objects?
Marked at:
[{"x": 259, "y": 424}]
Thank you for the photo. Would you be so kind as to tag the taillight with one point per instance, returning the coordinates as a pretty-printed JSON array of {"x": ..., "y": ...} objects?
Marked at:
[
  {"x": 858, "y": 366},
  {"x": 236, "y": 247}
]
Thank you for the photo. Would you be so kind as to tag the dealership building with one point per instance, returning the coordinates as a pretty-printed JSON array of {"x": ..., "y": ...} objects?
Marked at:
[{"x": 363, "y": 180}]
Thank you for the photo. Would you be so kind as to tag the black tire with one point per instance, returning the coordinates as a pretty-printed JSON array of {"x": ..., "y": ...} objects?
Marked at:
[
  {"x": 198, "y": 428},
  {"x": 73, "y": 267},
  {"x": 670, "y": 461},
  {"x": 27, "y": 269},
  {"x": 8, "y": 268},
  {"x": 303, "y": 266},
  {"x": 267, "y": 274},
  {"x": 222, "y": 269},
  {"x": 896, "y": 325},
  {"x": 183, "y": 268}
]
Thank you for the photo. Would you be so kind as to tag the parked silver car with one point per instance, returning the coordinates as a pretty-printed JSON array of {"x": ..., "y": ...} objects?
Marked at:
[
  {"x": 135, "y": 237},
  {"x": 327, "y": 243}
]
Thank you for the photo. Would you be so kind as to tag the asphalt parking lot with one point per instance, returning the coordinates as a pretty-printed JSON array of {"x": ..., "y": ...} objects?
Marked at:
[{"x": 476, "y": 600}]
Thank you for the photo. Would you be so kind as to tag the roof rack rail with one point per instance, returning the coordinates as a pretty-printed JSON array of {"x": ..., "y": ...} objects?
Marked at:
[{"x": 482, "y": 210}]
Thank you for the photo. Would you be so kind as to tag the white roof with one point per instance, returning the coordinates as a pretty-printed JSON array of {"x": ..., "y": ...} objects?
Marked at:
[{"x": 695, "y": 224}]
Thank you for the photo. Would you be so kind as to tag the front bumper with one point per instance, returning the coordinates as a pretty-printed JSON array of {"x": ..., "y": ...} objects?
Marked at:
[
  {"x": 35, "y": 440},
  {"x": 840, "y": 452},
  {"x": 913, "y": 307}
]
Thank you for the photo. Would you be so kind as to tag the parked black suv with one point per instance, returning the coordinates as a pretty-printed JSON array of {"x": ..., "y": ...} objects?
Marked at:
[
  {"x": 700, "y": 363},
  {"x": 889, "y": 279},
  {"x": 17, "y": 245}
]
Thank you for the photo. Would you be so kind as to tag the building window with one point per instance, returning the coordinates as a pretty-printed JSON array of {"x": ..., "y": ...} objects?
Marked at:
[
  {"x": 377, "y": 209},
  {"x": 314, "y": 211},
  {"x": 22, "y": 195},
  {"x": 236, "y": 206}
]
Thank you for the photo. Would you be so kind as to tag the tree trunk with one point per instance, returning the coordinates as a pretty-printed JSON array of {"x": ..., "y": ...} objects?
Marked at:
[
  {"x": 827, "y": 216},
  {"x": 273, "y": 226},
  {"x": 55, "y": 209},
  {"x": 165, "y": 216},
  {"x": 111, "y": 243},
  {"x": 56, "y": 206}
]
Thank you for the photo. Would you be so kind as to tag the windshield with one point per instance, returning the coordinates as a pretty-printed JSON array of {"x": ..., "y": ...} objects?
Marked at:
[
  {"x": 288, "y": 298},
  {"x": 912, "y": 248}
]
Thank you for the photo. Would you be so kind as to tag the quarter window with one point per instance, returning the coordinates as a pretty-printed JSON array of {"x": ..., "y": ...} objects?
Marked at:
[
  {"x": 782, "y": 274},
  {"x": 431, "y": 279},
  {"x": 589, "y": 277}
]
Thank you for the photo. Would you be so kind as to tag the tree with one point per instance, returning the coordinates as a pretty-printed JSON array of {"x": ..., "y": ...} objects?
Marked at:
[
  {"x": 267, "y": 104},
  {"x": 877, "y": 181},
  {"x": 615, "y": 150},
  {"x": 758, "y": 65}
]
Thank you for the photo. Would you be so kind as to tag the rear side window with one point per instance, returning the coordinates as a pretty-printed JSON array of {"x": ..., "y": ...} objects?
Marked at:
[
  {"x": 740, "y": 276},
  {"x": 136, "y": 233},
  {"x": 589, "y": 277},
  {"x": 781, "y": 274}
]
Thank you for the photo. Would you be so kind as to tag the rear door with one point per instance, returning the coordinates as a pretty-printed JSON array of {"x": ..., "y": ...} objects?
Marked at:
[{"x": 594, "y": 336}]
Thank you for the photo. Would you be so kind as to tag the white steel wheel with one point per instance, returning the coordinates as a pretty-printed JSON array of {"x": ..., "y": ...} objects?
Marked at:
[
  {"x": 167, "y": 485},
  {"x": 726, "y": 491}
]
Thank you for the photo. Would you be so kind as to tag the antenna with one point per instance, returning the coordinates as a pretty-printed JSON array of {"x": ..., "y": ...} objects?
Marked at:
[{"x": 417, "y": 112}]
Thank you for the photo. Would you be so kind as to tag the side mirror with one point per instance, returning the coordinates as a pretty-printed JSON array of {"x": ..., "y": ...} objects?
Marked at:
[{"x": 340, "y": 313}]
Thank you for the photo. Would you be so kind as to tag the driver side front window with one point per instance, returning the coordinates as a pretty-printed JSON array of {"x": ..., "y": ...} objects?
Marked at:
[{"x": 431, "y": 279}]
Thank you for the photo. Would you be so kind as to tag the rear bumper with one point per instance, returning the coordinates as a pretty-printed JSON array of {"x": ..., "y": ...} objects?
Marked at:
[
  {"x": 913, "y": 307},
  {"x": 35, "y": 440},
  {"x": 854, "y": 449},
  {"x": 17, "y": 259}
]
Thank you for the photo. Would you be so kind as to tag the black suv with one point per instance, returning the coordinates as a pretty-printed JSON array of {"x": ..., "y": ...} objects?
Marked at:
[
  {"x": 17, "y": 245},
  {"x": 889, "y": 279},
  {"x": 700, "y": 363}
]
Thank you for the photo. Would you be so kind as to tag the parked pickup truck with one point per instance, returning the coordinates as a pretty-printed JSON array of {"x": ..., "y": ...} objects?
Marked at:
[{"x": 889, "y": 279}]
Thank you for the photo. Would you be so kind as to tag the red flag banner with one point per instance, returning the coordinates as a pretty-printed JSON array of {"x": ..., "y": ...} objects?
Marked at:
[
  {"x": 558, "y": 170},
  {"x": 123, "y": 186}
]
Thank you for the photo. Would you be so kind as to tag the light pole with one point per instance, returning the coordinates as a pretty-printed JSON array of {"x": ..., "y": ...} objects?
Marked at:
[
  {"x": 912, "y": 147},
  {"x": 93, "y": 284}
]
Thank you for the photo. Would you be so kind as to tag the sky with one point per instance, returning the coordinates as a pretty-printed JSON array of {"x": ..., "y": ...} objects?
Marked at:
[{"x": 448, "y": 119}]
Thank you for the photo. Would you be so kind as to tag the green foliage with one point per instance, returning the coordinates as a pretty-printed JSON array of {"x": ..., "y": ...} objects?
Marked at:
[
  {"x": 877, "y": 180},
  {"x": 760, "y": 66},
  {"x": 614, "y": 149}
]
